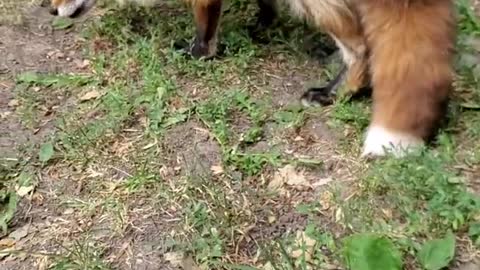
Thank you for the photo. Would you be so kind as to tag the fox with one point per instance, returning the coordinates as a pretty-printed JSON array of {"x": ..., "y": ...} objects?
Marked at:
[
  {"x": 402, "y": 50},
  {"x": 206, "y": 13}
]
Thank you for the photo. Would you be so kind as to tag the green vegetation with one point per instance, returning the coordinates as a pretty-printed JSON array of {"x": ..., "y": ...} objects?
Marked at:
[{"x": 215, "y": 164}]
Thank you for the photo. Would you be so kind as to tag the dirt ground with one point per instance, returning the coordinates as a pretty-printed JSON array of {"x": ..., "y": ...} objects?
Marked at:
[
  {"x": 31, "y": 47},
  {"x": 35, "y": 46},
  {"x": 141, "y": 243}
]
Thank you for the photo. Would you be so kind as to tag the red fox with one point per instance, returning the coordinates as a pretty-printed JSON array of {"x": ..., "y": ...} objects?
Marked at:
[{"x": 402, "y": 49}]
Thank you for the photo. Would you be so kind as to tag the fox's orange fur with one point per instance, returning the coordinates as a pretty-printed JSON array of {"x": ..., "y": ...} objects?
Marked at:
[
  {"x": 411, "y": 45},
  {"x": 402, "y": 48},
  {"x": 340, "y": 20}
]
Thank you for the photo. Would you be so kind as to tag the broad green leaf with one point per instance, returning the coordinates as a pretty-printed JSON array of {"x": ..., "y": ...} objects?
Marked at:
[
  {"x": 240, "y": 267},
  {"x": 437, "y": 254},
  {"x": 62, "y": 23},
  {"x": 174, "y": 119},
  {"x": 474, "y": 233},
  {"x": 28, "y": 77},
  {"x": 474, "y": 230},
  {"x": 33, "y": 78},
  {"x": 371, "y": 252},
  {"x": 46, "y": 152},
  {"x": 24, "y": 179},
  {"x": 305, "y": 208},
  {"x": 58, "y": 80}
]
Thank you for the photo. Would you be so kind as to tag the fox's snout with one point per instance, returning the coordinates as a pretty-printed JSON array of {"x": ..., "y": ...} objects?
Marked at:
[{"x": 67, "y": 8}]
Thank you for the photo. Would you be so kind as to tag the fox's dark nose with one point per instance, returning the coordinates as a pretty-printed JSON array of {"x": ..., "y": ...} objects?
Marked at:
[{"x": 53, "y": 11}]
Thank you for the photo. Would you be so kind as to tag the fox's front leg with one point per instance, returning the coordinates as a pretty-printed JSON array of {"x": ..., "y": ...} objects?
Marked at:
[
  {"x": 354, "y": 78},
  {"x": 325, "y": 95},
  {"x": 207, "y": 15},
  {"x": 343, "y": 25}
]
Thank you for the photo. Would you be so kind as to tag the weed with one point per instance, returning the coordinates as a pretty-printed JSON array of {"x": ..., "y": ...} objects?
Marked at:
[{"x": 81, "y": 255}]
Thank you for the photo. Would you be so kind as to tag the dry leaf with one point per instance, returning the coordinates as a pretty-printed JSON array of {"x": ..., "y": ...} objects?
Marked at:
[
  {"x": 82, "y": 64},
  {"x": 150, "y": 145},
  {"x": 288, "y": 175},
  {"x": 6, "y": 252},
  {"x": 178, "y": 259},
  {"x": 276, "y": 183},
  {"x": 90, "y": 95},
  {"x": 297, "y": 179},
  {"x": 268, "y": 266},
  {"x": 388, "y": 213},
  {"x": 339, "y": 215},
  {"x": 305, "y": 246},
  {"x": 92, "y": 173},
  {"x": 43, "y": 263},
  {"x": 22, "y": 191},
  {"x": 7, "y": 242},
  {"x": 120, "y": 148},
  {"x": 174, "y": 258},
  {"x": 20, "y": 232},
  {"x": 4, "y": 115},
  {"x": 68, "y": 211},
  {"x": 298, "y": 139},
  {"x": 143, "y": 121},
  {"x": 216, "y": 169},
  {"x": 322, "y": 182},
  {"x": 326, "y": 199},
  {"x": 13, "y": 103},
  {"x": 271, "y": 219}
]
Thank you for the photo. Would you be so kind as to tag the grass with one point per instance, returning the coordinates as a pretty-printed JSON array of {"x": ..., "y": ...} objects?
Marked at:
[
  {"x": 80, "y": 256},
  {"x": 155, "y": 154}
]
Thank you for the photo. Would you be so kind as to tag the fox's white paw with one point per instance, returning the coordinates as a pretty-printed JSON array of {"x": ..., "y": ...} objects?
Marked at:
[{"x": 379, "y": 141}]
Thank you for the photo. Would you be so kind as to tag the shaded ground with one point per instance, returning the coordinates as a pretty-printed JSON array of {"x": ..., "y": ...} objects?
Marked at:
[
  {"x": 156, "y": 155},
  {"x": 31, "y": 47}
]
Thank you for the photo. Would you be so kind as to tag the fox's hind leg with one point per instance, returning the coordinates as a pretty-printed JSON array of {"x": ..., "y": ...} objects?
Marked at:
[
  {"x": 411, "y": 67},
  {"x": 207, "y": 15}
]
